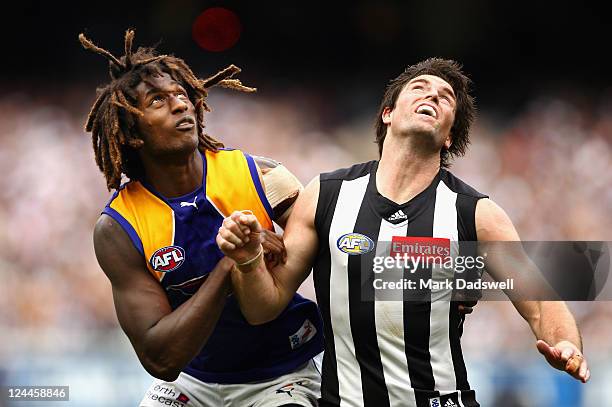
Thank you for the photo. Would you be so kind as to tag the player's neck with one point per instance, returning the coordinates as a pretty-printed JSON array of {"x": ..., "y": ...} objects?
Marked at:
[
  {"x": 403, "y": 172},
  {"x": 175, "y": 178}
]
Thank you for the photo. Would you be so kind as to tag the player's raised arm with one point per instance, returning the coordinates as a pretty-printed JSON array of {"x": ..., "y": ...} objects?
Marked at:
[
  {"x": 551, "y": 321},
  {"x": 263, "y": 294},
  {"x": 164, "y": 340}
]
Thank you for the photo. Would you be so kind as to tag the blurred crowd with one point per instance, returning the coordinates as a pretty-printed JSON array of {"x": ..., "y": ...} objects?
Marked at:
[{"x": 548, "y": 166}]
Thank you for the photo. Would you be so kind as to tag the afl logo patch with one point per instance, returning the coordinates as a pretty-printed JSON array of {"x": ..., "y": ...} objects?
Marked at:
[
  {"x": 168, "y": 258},
  {"x": 355, "y": 244}
]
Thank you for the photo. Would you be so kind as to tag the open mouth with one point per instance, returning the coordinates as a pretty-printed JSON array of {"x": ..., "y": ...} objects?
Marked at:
[
  {"x": 427, "y": 110},
  {"x": 186, "y": 123}
]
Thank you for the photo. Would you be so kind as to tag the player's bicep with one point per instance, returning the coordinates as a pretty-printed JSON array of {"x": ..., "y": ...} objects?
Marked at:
[
  {"x": 139, "y": 299},
  {"x": 281, "y": 187},
  {"x": 301, "y": 240}
]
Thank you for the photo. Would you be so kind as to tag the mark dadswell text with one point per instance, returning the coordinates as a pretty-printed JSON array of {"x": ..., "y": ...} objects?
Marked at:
[{"x": 430, "y": 284}]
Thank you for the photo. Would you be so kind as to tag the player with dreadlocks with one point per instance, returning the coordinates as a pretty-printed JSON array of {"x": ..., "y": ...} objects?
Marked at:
[{"x": 155, "y": 240}]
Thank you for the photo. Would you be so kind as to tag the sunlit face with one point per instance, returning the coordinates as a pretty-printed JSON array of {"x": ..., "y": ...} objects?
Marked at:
[
  {"x": 169, "y": 121},
  {"x": 425, "y": 106}
]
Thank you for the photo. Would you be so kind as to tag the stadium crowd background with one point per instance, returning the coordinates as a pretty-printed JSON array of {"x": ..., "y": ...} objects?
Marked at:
[{"x": 544, "y": 156}]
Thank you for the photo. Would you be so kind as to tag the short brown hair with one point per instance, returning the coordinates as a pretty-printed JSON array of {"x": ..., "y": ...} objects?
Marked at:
[{"x": 450, "y": 71}]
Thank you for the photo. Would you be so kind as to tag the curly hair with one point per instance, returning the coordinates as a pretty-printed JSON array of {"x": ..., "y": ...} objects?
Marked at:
[
  {"x": 450, "y": 71},
  {"x": 113, "y": 116}
]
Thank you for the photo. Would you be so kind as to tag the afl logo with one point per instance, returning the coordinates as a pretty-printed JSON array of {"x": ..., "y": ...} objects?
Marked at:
[
  {"x": 168, "y": 258},
  {"x": 355, "y": 244}
]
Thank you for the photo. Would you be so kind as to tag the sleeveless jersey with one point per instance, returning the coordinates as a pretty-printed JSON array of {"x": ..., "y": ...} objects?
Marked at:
[
  {"x": 176, "y": 238},
  {"x": 388, "y": 353}
]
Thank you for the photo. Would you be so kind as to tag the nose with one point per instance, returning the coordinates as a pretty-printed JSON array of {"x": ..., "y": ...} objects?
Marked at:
[
  {"x": 432, "y": 94},
  {"x": 178, "y": 105}
]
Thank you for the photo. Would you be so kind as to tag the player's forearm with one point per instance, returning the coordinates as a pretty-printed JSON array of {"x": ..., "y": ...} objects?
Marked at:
[
  {"x": 259, "y": 296},
  {"x": 554, "y": 323},
  {"x": 178, "y": 337}
]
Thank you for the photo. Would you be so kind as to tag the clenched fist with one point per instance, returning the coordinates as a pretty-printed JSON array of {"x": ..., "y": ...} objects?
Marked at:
[{"x": 242, "y": 239}]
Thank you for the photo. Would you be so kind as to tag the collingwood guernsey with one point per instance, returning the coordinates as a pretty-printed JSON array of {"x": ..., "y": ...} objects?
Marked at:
[{"x": 389, "y": 353}]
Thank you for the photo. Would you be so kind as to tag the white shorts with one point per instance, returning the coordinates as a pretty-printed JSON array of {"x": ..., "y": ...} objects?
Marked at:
[{"x": 301, "y": 387}]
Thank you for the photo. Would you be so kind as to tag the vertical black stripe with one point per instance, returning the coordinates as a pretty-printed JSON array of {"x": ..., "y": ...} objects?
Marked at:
[
  {"x": 466, "y": 217},
  {"x": 328, "y": 197},
  {"x": 455, "y": 331},
  {"x": 362, "y": 313},
  {"x": 417, "y": 313},
  {"x": 466, "y": 225}
]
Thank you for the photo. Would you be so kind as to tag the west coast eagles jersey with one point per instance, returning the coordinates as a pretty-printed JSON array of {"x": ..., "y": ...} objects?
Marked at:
[{"x": 176, "y": 237}]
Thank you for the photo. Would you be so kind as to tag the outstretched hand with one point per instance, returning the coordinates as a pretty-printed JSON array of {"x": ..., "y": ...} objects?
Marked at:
[{"x": 567, "y": 357}]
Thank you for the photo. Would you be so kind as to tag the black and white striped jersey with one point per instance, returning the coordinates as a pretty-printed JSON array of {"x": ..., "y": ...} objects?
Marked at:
[{"x": 388, "y": 353}]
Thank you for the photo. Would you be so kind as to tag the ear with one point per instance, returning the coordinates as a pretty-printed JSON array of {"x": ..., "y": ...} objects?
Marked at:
[
  {"x": 449, "y": 141},
  {"x": 136, "y": 144},
  {"x": 386, "y": 115}
]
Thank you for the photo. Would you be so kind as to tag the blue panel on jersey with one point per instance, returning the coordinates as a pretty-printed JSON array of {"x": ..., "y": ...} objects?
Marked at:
[
  {"x": 258, "y": 186},
  {"x": 195, "y": 231}
]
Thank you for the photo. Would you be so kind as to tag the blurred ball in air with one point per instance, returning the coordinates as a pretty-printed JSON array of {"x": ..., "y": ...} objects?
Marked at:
[{"x": 216, "y": 29}]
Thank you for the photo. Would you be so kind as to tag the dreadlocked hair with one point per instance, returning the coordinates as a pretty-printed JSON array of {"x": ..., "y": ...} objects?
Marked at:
[{"x": 113, "y": 116}]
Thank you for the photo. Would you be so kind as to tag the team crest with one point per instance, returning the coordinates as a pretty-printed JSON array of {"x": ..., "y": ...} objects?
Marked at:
[
  {"x": 167, "y": 258},
  {"x": 355, "y": 244}
]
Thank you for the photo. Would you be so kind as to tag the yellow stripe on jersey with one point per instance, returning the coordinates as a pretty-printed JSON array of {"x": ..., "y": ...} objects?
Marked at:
[
  {"x": 230, "y": 187},
  {"x": 150, "y": 217}
]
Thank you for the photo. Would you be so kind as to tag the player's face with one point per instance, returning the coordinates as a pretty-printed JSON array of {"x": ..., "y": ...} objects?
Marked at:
[
  {"x": 169, "y": 121},
  {"x": 426, "y": 105}
]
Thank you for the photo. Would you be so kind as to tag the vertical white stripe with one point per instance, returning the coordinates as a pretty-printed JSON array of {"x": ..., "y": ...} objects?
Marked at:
[
  {"x": 459, "y": 398},
  {"x": 173, "y": 226},
  {"x": 444, "y": 226},
  {"x": 345, "y": 216},
  {"x": 389, "y": 317}
]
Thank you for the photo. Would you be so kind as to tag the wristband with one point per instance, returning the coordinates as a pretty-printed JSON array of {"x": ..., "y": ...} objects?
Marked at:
[{"x": 250, "y": 262}]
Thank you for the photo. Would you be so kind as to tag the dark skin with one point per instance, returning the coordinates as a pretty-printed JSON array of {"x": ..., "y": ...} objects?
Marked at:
[
  {"x": 164, "y": 340},
  {"x": 169, "y": 155}
]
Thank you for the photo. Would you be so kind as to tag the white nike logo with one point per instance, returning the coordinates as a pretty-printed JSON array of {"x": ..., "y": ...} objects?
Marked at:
[{"x": 184, "y": 204}]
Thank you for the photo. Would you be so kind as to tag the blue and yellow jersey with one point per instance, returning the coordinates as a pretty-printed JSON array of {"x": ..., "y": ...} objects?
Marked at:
[{"x": 176, "y": 237}]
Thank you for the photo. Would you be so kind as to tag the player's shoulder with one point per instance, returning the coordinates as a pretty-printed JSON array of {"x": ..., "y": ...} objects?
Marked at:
[
  {"x": 349, "y": 173},
  {"x": 107, "y": 234},
  {"x": 459, "y": 186},
  {"x": 106, "y": 228},
  {"x": 125, "y": 189}
]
